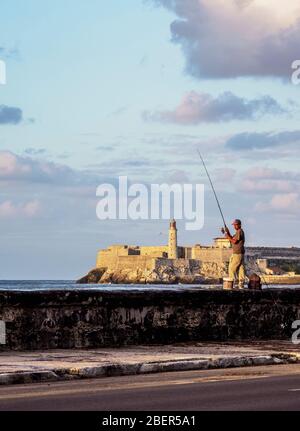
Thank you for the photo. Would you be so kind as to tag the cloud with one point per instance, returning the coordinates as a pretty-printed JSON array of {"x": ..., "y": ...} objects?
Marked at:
[
  {"x": 196, "y": 108},
  {"x": 253, "y": 141},
  {"x": 266, "y": 186},
  {"x": 105, "y": 148},
  {"x": 262, "y": 173},
  {"x": 178, "y": 176},
  {"x": 224, "y": 175},
  {"x": 28, "y": 209},
  {"x": 18, "y": 168},
  {"x": 264, "y": 180},
  {"x": 287, "y": 203},
  {"x": 136, "y": 163},
  {"x": 10, "y": 115},
  {"x": 34, "y": 151},
  {"x": 126, "y": 166},
  {"x": 9, "y": 52},
  {"x": 232, "y": 38}
]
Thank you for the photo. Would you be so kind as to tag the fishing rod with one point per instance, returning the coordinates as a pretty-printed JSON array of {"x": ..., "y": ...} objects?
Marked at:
[
  {"x": 213, "y": 189},
  {"x": 220, "y": 209}
]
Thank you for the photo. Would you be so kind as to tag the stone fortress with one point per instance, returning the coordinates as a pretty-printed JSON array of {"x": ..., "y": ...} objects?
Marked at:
[
  {"x": 173, "y": 264},
  {"x": 164, "y": 264}
]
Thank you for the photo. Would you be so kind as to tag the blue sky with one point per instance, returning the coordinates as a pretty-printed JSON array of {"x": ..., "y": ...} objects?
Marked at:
[{"x": 133, "y": 88}]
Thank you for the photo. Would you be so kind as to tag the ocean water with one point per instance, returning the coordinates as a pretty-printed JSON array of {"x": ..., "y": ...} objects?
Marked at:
[{"x": 44, "y": 285}]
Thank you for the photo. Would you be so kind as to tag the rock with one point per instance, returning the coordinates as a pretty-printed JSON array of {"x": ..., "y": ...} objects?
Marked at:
[
  {"x": 93, "y": 276},
  {"x": 163, "y": 273}
]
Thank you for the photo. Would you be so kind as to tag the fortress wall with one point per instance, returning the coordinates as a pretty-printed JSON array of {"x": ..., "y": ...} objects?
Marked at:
[
  {"x": 121, "y": 250},
  {"x": 112, "y": 260},
  {"x": 106, "y": 259},
  {"x": 154, "y": 251},
  {"x": 217, "y": 255},
  {"x": 135, "y": 262},
  {"x": 90, "y": 319}
]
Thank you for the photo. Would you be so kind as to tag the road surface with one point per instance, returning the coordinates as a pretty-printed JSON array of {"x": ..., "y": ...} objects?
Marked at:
[{"x": 251, "y": 388}]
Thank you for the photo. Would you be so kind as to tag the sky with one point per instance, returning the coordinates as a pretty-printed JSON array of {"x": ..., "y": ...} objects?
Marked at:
[{"x": 96, "y": 90}]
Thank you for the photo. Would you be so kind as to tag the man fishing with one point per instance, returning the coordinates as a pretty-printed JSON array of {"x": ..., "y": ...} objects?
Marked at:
[{"x": 237, "y": 260}]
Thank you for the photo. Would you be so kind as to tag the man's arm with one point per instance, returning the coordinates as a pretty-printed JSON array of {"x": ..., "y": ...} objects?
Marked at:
[{"x": 232, "y": 239}]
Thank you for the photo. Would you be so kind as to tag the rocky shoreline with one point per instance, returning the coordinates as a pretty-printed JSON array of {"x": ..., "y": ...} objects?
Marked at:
[
  {"x": 163, "y": 275},
  {"x": 210, "y": 274}
]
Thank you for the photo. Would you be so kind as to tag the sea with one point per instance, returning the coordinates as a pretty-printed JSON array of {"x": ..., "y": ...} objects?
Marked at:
[{"x": 47, "y": 285}]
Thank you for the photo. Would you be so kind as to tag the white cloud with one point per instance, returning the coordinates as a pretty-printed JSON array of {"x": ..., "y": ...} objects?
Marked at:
[
  {"x": 27, "y": 169},
  {"x": 267, "y": 180},
  {"x": 286, "y": 203},
  {"x": 266, "y": 186},
  {"x": 231, "y": 38}
]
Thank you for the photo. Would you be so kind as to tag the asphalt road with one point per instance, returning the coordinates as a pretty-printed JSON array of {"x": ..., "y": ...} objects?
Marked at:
[{"x": 254, "y": 388}]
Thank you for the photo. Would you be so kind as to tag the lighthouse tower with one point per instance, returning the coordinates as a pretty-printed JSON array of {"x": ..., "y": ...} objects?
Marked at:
[{"x": 172, "y": 252}]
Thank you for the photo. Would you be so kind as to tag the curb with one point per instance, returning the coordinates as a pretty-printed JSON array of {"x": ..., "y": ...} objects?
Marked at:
[
  {"x": 27, "y": 377},
  {"x": 61, "y": 374}
]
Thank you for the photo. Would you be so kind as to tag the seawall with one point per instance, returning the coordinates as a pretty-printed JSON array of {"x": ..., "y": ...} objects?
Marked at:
[{"x": 82, "y": 319}]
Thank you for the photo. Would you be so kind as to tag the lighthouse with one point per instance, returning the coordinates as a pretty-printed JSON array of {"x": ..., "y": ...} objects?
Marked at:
[{"x": 172, "y": 252}]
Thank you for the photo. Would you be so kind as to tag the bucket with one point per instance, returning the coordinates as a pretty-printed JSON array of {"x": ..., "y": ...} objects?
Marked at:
[
  {"x": 227, "y": 283},
  {"x": 254, "y": 282}
]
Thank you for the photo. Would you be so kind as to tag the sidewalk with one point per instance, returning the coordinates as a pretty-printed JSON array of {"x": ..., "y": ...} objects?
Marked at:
[{"x": 55, "y": 365}]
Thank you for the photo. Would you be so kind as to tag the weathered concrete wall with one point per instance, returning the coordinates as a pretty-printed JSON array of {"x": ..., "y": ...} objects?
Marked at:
[{"x": 61, "y": 319}]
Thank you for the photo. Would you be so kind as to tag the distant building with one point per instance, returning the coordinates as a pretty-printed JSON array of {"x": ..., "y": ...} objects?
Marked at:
[
  {"x": 172, "y": 246},
  {"x": 222, "y": 243},
  {"x": 148, "y": 257},
  {"x": 267, "y": 260}
]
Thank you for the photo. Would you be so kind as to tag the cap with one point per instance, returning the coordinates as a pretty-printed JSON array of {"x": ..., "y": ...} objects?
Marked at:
[{"x": 237, "y": 221}]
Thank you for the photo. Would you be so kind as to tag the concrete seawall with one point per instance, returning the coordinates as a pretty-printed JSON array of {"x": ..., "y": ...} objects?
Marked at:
[{"x": 80, "y": 319}]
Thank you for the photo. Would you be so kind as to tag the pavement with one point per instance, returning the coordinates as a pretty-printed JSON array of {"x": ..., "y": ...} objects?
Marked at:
[{"x": 61, "y": 365}]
